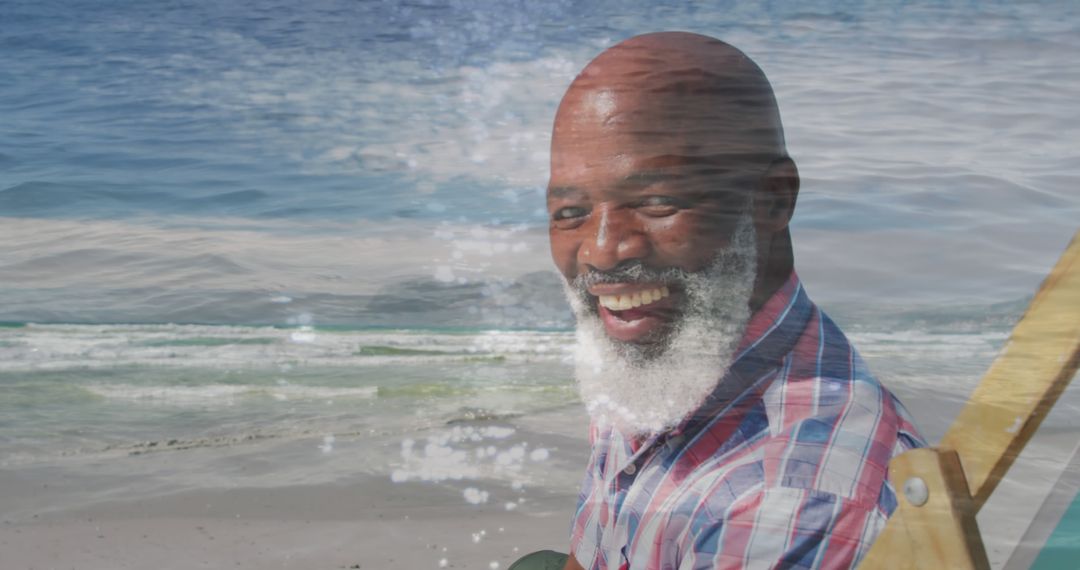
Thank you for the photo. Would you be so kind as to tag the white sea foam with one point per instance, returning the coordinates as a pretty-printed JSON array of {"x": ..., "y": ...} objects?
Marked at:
[
  {"x": 225, "y": 372},
  {"x": 327, "y": 444},
  {"x": 467, "y": 452},
  {"x": 223, "y": 394},
  {"x": 55, "y": 347},
  {"x": 475, "y": 496}
]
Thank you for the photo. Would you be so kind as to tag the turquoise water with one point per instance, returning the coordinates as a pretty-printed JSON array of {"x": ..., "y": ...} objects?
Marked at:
[
  {"x": 88, "y": 390},
  {"x": 94, "y": 389},
  {"x": 1063, "y": 546}
]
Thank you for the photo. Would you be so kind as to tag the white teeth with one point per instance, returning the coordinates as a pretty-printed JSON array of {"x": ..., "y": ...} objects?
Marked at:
[{"x": 633, "y": 300}]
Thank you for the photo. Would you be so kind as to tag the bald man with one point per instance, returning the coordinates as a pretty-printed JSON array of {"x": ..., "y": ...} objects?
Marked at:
[{"x": 733, "y": 425}]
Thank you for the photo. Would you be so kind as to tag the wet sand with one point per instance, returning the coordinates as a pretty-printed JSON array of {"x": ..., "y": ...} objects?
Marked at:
[
  {"x": 366, "y": 523},
  {"x": 289, "y": 505},
  {"x": 360, "y": 521}
]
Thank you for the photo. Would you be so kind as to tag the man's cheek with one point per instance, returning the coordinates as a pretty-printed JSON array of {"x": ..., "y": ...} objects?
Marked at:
[
  {"x": 564, "y": 258},
  {"x": 676, "y": 240},
  {"x": 572, "y": 264}
]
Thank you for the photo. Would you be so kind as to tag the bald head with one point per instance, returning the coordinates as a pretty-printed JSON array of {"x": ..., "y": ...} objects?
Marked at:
[
  {"x": 660, "y": 146},
  {"x": 697, "y": 97}
]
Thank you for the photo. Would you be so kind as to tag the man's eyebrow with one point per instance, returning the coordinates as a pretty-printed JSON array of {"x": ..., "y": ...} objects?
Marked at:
[
  {"x": 644, "y": 178},
  {"x": 564, "y": 192},
  {"x": 647, "y": 177}
]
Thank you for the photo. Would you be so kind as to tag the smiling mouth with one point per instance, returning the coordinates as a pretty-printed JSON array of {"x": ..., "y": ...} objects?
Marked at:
[
  {"x": 633, "y": 300},
  {"x": 635, "y": 312}
]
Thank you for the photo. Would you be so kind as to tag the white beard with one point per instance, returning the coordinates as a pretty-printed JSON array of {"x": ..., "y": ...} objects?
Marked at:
[{"x": 650, "y": 393}]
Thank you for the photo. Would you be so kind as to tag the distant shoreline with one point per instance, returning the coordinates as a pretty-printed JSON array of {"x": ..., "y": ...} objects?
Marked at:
[
  {"x": 857, "y": 315},
  {"x": 325, "y": 328}
]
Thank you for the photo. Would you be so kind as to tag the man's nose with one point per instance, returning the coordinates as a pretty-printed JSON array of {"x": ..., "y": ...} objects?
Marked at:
[{"x": 614, "y": 235}]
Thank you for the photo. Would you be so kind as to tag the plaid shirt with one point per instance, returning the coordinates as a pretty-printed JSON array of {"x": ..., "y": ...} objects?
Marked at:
[{"x": 791, "y": 473}]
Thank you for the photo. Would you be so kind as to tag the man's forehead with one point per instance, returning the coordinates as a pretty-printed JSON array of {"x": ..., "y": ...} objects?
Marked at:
[
  {"x": 689, "y": 178},
  {"x": 637, "y": 178},
  {"x": 599, "y": 104},
  {"x": 607, "y": 101},
  {"x": 645, "y": 159},
  {"x": 697, "y": 126}
]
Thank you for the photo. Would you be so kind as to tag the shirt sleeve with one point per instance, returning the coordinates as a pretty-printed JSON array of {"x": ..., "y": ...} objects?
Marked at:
[{"x": 784, "y": 527}]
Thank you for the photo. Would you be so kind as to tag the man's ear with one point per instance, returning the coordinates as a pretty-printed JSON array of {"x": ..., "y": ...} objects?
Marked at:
[{"x": 776, "y": 197}]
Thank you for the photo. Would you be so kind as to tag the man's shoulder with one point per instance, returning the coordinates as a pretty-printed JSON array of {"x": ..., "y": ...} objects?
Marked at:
[{"x": 834, "y": 430}]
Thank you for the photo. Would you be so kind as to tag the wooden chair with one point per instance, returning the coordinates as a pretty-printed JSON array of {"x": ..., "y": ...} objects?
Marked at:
[{"x": 941, "y": 488}]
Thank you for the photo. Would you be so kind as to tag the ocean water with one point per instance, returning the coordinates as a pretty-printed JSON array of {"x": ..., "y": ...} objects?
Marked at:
[
  {"x": 150, "y": 409},
  {"x": 383, "y": 163},
  {"x": 78, "y": 390},
  {"x": 94, "y": 391},
  {"x": 231, "y": 223}
]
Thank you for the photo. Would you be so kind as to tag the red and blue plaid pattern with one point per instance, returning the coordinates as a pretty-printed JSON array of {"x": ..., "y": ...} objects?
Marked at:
[{"x": 792, "y": 473}]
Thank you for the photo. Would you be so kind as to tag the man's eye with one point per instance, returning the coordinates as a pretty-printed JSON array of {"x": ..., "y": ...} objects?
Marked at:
[
  {"x": 568, "y": 213},
  {"x": 659, "y": 205}
]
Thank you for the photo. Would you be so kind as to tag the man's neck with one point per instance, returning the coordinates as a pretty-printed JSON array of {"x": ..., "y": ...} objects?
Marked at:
[{"x": 774, "y": 269}]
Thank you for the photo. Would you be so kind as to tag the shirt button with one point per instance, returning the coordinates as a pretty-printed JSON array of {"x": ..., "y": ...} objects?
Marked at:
[{"x": 630, "y": 469}]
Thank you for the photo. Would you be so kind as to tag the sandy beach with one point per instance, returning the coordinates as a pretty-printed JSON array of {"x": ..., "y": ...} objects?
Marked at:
[
  {"x": 284, "y": 505},
  {"x": 290, "y": 475},
  {"x": 292, "y": 504},
  {"x": 364, "y": 523}
]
